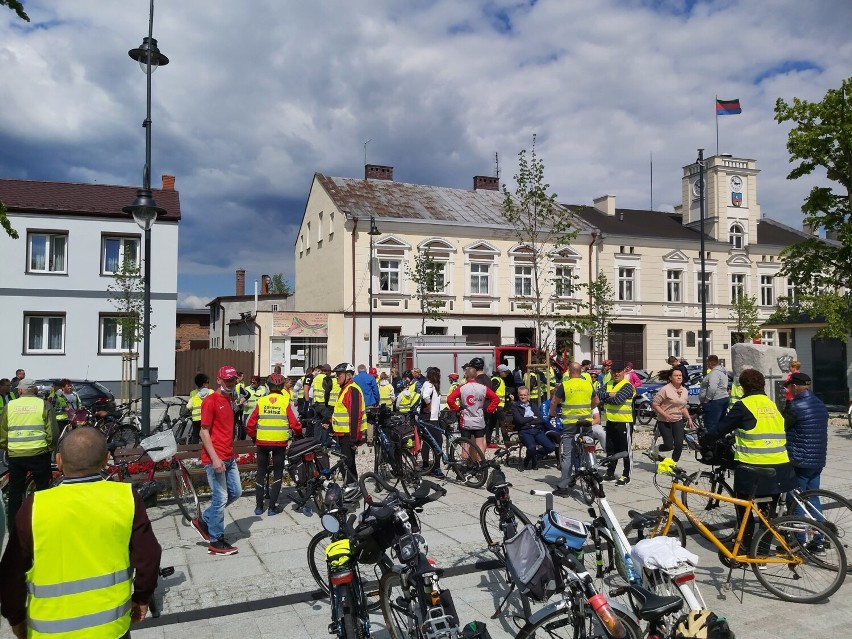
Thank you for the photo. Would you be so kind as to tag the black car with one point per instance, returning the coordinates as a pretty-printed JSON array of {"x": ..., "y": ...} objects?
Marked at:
[{"x": 91, "y": 393}]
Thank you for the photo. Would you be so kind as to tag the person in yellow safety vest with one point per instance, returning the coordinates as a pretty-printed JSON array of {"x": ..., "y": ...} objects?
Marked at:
[
  {"x": 454, "y": 384},
  {"x": 349, "y": 420},
  {"x": 6, "y": 393},
  {"x": 83, "y": 560},
  {"x": 65, "y": 402},
  {"x": 736, "y": 393},
  {"x": 386, "y": 394},
  {"x": 321, "y": 388},
  {"x": 533, "y": 384},
  {"x": 574, "y": 400},
  {"x": 247, "y": 400},
  {"x": 501, "y": 387},
  {"x": 28, "y": 433},
  {"x": 585, "y": 365},
  {"x": 271, "y": 425},
  {"x": 196, "y": 398},
  {"x": 617, "y": 400},
  {"x": 759, "y": 440},
  {"x": 409, "y": 397}
]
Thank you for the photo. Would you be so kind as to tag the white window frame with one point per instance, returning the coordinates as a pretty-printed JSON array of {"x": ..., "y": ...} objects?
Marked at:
[
  {"x": 626, "y": 284},
  {"x": 739, "y": 288},
  {"x": 330, "y": 226},
  {"x": 476, "y": 270},
  {"x": 674, "y": 284},
  {"x": 121, "y": 345},
  {"x": 319, "y": 230},
  {"x": 791, "y": 291},
  {"x": 486, "y": 257},
  {"x": 767, "y": 290},
  {"x": 122, "y": 239},
  {"x": 699, "y": 343},
  {"x": 49, "y": 257},
  {"x": 674, "y": 337},
  {"x": 45, "y": 334},
  {"x": 563, "y": 281},
  {"x": 441, "y": 253},
  {"x": 736, "y": 236},
  {"x": 767, "y": 338},
  {"x": 707, "y": 286},
  {"x": 441, "y": 270},
  {"x": 386, "y": 269},
  {"x": 308, "y": 239},
  {"x": 523, "y": 278}
]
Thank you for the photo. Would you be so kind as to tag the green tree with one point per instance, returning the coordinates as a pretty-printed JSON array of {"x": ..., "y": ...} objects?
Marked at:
[
  {"x": 128, "y": 297},
  {"x": 542, "y": 226},
  {"x": 744, "y": 315},
  {"x": 600, "y": 312},
  {"x": 18, "y": 8},
  {"x": 821, "y": 271},
  {"x": 279, "y": 286},
  {"x": 430, "y": 282}
]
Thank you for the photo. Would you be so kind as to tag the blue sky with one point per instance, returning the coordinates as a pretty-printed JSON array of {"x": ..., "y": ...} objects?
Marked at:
[{"x": 261, "y": 95}]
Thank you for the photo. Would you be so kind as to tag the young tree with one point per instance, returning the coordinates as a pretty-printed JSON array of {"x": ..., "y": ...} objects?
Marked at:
[
  {"x": 429, "y": 282},
  {"x": 744, "y": 316},
  {"x": 542, "y": 226},
  {"x": 279, "y": 286},
  {"x": 600, "y": 313},
  {"x": 128, "y": 298},
  {"x": 821, "y": 139}
]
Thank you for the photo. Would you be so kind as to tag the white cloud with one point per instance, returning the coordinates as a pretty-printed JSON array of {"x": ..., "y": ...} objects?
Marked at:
[{"x": 188, "y": 300}]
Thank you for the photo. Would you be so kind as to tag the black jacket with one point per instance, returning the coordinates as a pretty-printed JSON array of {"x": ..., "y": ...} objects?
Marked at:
[
  {"x": 520, "y": 421},
  {"x": 806, "y": 423}
]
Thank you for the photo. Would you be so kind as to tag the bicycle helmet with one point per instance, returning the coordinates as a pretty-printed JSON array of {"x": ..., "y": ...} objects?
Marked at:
[
  {"x": 407, "y": 374},
  {"x": 276, "y": 379},
  {"x": 702, "y": 624},
  {"x": 345, "y": 367},
  {"x": 477, "y": 363},
  {"x": 453, "y": 376}
]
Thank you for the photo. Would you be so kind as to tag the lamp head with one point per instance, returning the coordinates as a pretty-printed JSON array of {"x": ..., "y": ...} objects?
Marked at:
[
  {"x": 148, "y": 47},
  {"x": 374, "y": 230},
  {"x": 144, "y": 209}
]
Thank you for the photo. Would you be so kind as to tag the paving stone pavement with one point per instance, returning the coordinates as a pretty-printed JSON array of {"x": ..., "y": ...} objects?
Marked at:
[{"x": 271, "y": 566}]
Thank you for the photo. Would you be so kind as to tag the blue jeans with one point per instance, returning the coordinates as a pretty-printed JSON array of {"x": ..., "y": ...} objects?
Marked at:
[
  {"x": 714, "y": 411},
  {"x": 808, "y": 478},
  {"x": 225, "y": 489}
]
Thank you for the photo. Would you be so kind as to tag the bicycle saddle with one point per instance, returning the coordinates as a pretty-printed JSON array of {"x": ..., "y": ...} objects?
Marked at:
[
  {"x": 652, "y": 607},
  {"x": 641, "y": 520}
]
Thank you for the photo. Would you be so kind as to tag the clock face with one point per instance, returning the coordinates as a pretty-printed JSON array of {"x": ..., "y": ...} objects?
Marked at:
[
  {"x": 736, "y": 183},
  {"x": 696, "y": 188}
]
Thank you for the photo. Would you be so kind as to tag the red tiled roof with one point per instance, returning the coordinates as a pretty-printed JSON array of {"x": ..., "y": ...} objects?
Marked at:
[{"x": 69, "y": 198}]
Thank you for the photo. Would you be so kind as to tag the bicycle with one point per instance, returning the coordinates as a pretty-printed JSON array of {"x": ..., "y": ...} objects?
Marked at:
[
  {"x": 122, "y": 427},
  {"x": 462, "y": 457},
  {"x": 498, "y": 516},
  {"x": 394, "y": 449},
  {"x": 319, "y": 478},
  {"x": 779, "y": 554},
  {"x": 181, "y": 425}
]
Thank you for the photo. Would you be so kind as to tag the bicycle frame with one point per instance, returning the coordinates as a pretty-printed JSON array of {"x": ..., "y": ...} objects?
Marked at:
[
  {"x": 673, "y": 502},
  {"x": 428, "y": 437}
]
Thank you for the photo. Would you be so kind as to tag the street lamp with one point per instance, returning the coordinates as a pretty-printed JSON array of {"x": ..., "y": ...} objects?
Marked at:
[
  {"x": 373, "y": 232},
  {"x": 145, "y": 210}
]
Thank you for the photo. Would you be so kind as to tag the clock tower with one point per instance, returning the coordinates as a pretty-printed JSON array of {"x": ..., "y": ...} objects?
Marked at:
[{"x": 730, "y": 194}]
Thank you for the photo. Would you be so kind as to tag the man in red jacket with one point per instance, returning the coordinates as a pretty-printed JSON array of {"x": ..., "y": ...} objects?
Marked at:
[
  {"x": 349, "y": 419},
  {"x": 271, "y": 425}
]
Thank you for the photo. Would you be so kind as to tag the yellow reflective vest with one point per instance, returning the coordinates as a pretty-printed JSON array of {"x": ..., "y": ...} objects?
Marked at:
[
  {"x": 317, "y": 386},
  {"x": 80, "y": 585},
  {"x": 273, "y": 425},
  {"x": 533, "y": 384},
  {"x": 578, "y": 400},
  {"x": 736, "y": 394},
  {"x": 340, "y": 417},
  {"x": 334, "y": 392},
  {"x": 766, "y": 443},
  {"x": 12, "y": 396},
  {"x": 385, "y": 395},
  {"x": 254, "y": 394},
  {"x": 27, "y": 431},
  {"x": 409, "y": 399},
  {"x": 619, "y": 412},
  {"x": 501, "y": 389}
]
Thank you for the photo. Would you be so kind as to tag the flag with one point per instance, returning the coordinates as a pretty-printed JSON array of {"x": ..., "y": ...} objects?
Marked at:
[{"x": 728, "y": 107}]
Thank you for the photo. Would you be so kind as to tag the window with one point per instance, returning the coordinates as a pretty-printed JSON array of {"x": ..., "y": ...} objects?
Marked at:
[
  {"x": 44, "y": 333},
  {"x": 115, "y": 338},
  {"x": 479, "y": 280},
  {"x": 301, "y": 245},
  {"x": 674, "y": 341},
  {"x": 737, "y": 287},
  {"x": 563, "y": 281},
  {"x": 791, "y": 292},
  {"x": 705, "y": 289},
  {"x": 48, "y": 252},
  {"x": 767, "y": 290},
  {"x": 115, "y": 250},
  {"x": 523, "y": 281},
  {"x": 319, "y": 231},
  {"x": 673, "y": 290},
  {"x": 701, "y": 344},
  {"x": 767, "y": 338},
  {"x": 437, "y": 277},
  {"x": 785, "y": 339},
  {"x": 274, "y": 308},
  {"x": 331, "y": 226},
  {"x": 389, "y": 276},
  {"x": 736, "y": 236},
  {"x": 626, "y": 284},
  {"x": 308, "y": 239}
]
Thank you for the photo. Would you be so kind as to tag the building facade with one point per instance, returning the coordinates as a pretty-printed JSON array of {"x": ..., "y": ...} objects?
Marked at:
[{"x": 59, "y": 319}]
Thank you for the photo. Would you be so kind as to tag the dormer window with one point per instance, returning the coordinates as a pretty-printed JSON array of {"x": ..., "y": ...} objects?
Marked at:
[{"x": 736, "y": 236}]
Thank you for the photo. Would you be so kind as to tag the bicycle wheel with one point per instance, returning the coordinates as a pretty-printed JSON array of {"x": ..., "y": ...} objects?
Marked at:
[
  {"x": 563, "y": 623},
  {"x": 494, "y": 530},
  {"x": 807, "y": 577},
  {"x": 125, "y": 437},
  {"x": 400, "y": 621},
  {"x": 316, "y": 559},
  {"x": 184, "y": 492},
  {"x": 660, "y": 583},
  {"x": 719, "y": 516},
  {"x": 433, "y": 460},
  {"x": 466, "y": 461},
  {"x": 408, "y": 474},
  {"x": 383, "y": 467},
  {"x": 836, "y": 513},
  {"x": 676, "y": 529}
]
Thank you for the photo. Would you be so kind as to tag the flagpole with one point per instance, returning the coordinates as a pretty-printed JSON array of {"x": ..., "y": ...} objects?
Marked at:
[
  {"x": 716, "y": 109},
  {"x": 652, "y": 180}
]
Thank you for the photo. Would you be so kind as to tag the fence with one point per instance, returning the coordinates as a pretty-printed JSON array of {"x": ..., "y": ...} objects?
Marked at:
[{"x": 189, "y": 363}]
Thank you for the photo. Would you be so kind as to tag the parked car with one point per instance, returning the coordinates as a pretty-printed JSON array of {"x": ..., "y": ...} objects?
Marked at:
[{"x": 91, "y": 393}]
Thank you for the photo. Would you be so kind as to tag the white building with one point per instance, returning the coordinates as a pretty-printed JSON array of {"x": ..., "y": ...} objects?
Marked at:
[{"x": 58, "y": 318}]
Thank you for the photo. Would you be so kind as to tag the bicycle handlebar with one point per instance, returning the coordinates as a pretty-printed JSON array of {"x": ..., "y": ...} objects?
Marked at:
[{"x": 432, "y": 492}]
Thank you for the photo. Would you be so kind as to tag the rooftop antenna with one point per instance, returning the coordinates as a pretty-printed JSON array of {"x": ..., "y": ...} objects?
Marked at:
[
  {"x": 497, "y": 163},
  {"x": 365, "y": 154}
]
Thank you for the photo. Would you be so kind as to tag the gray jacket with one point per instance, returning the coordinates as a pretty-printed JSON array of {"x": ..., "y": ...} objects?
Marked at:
[{"x": 714, "y": 385}]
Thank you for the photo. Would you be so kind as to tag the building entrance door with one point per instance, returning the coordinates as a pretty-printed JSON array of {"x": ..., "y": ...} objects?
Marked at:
[
  {"x": 829, "y": 371},
  {"x": 626, "y": 344}
]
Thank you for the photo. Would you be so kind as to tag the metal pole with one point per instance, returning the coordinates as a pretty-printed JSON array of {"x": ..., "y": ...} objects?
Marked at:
[
  {"x": 704, "y": 287},
  {"x": 372, "y": 226},
  {"x": 146, "y": 313}
]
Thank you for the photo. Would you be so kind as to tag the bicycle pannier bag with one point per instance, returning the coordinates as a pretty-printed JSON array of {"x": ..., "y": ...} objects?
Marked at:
[
  {"x": 702, "y": 624},
  {"x": 555, "y": 527},
  {"x": 530, "y": 565}
]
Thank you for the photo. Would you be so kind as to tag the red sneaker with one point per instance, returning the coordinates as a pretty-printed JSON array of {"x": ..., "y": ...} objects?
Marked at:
[
  {"x": 221, "y": 547},
  {"x": 201, "y": 528}
]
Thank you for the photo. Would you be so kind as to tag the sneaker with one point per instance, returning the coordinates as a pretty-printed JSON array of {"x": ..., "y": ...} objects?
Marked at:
[
  {"x": 201, "y": 528},
  {"x": 438, "y": 473},
  {"x": 815, "y": 548},
  {"x": 258, "y": 511},
  {"x": 221, "y": 547},
  {"x": 623, "y": 481},
  {"x": 572, "y": 482},
  {"x": 609, "y": 477},
  {"x": 274, "y": 510}
]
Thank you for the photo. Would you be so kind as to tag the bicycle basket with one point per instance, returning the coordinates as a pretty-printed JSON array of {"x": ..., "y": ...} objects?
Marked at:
[
  {"x": 166, "y": 439},
  {"x": 530, "y": 565}
]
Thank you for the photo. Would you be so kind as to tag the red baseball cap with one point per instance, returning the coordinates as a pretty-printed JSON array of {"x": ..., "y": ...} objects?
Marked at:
[
  {"x": 374, "y": 372},
  {"x": 227, "y": 372}
]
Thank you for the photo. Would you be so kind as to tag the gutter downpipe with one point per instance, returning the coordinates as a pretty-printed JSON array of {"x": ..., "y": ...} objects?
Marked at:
[
  {"x": 354, "y": 305},
  {"x": 591, "y": 247}
]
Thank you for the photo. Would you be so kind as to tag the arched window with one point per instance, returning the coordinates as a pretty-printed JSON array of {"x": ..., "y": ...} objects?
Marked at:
[{"x": 736, "y": 236}]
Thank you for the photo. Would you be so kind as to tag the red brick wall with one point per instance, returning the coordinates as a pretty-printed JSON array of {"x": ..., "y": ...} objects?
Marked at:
[{"x": 191, "y": 327}]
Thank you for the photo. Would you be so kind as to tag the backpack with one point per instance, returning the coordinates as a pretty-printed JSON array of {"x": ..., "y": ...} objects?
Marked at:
[
  {"x": 702, "y": 624},
  {"x": 530, "y": 565}
]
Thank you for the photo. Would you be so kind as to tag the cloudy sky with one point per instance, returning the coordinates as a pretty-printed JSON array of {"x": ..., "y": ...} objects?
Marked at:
[{"x": 260, "y": 94}]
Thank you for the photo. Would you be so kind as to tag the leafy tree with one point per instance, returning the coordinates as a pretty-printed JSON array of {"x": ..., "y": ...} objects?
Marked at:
[
  {"x": 542, "y": 226},
  {"x": 279, "y": 286},
  {"x": 128, "y": 298},
  {"x": 429, "y": 282},
  {"x": 821, "y": 139},
  {"x": 600, "y": 312},
  {"x": 744, "y": 316},
  {"x": 18, "y": 8}
]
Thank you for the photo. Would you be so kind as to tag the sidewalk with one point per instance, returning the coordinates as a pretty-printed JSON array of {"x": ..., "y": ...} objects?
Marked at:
[{"x": 267, "y": 591}]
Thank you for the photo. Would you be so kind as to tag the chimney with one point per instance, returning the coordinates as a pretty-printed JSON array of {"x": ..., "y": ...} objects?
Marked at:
[
  {"x": 807, "y": 229},
  {"x": 605, "y": 204},
  {"x": 486, "y": 183},
  {"x": 241, "y": 282},
  {"x": 264, "y": 285},
  {"x": 833, "y": 235},
  {"x": 376, "y": 172},
  {"x": 168, "y": 182}
]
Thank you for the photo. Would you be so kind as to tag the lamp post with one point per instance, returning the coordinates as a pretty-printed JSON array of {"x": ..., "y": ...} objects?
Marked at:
[
  {"x": 373, "y": 232},
  {"x": 704, "y": 288},
  {"x": 145, "y": 211}
]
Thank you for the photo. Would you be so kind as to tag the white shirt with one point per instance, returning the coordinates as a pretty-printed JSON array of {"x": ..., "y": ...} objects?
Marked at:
[{"x": 432, "y": 398}]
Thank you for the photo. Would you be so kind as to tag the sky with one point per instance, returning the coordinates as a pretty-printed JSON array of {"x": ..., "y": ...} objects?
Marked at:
[{"x": 261, "y": 94}]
